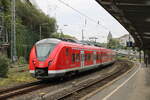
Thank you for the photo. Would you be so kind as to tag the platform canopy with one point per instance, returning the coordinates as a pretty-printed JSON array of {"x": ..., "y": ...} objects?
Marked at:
[{"x": 134, "y": 15}]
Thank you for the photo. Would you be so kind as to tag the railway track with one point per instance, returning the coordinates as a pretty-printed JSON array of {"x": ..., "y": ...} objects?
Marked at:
[
  {"x": 72, "y": 90},
  {"x": 76, "y": 91},
  {"x": 21, "y": 89}
]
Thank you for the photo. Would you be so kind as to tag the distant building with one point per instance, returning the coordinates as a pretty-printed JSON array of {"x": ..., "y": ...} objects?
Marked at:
[{"x": 124, "y": 39}]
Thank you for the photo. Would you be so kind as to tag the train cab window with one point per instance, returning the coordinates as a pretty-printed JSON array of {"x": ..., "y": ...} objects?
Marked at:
[
  {"x": 43, "y": 50},
  {"x": 67, "y": 51},
  {"x": 73, "y": 58}
]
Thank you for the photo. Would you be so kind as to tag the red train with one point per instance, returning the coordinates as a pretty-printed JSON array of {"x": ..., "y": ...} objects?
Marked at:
[{"x": 51, "y": 58}]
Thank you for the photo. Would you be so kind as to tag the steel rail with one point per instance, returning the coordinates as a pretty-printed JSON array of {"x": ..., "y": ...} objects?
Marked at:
[
  {"x": 21, "y": 89},
  {"x": 92, "y": 83}
]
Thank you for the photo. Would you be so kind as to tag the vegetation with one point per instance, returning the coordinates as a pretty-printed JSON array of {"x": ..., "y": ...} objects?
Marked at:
[
  {"x": 3, "y": 65},
  {"x": 16, "y": 75},
  {"x": 28, "y": 21},
  {"x": 22, "y": 60},
  {"x": 101, "y": 44},
  {"x": 61, "y": 35},
  {"x": 113, "y": 44},
  {"x": 15, "y": 78}
]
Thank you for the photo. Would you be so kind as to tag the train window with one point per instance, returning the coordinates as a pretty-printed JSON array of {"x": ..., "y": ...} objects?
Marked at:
[
  {"x": 85, "y": 57},
  {"x": 73, "y": 58},
  {"x": 78, "y": 57},
  {"x": 67, "y": 51},
  {"x": 94, "y": 56},
  {"x": 102, "y": 54},
  {"x": 89, "y": 56},
  {"x": 97, "y": 57}
]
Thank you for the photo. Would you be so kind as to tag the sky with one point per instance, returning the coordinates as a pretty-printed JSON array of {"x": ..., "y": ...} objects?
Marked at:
[{"x": 93, "y": 19}]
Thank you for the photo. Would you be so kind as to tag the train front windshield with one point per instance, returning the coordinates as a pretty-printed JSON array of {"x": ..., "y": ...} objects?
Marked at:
[{"x": 43, "y": 50}]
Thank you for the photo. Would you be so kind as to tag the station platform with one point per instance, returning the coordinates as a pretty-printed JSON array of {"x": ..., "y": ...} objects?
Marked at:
[{"x": 134, "y": 85}]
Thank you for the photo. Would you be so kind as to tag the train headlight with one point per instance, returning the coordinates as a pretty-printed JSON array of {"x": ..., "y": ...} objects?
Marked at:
[
  {"x": 33, "y": 61},
  {"x": 49, "y": 63}
]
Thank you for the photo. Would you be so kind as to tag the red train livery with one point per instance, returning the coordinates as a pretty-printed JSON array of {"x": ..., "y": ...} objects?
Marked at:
[{"x": 51, "y": 58}]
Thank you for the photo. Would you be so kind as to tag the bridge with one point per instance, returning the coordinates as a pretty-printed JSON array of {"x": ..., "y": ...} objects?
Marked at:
[{"x": 134, "y": 15}]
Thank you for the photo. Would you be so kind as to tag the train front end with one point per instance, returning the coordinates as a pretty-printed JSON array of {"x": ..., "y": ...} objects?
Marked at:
[{"x": 42, "y": 58}]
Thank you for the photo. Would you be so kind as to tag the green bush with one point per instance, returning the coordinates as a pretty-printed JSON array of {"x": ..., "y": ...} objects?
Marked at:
[
  {"x": 4, "y": 62},
  {"x": 22, "y": 60}
]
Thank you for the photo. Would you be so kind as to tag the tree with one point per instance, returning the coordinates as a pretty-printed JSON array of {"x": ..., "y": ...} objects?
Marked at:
[
  {"x": 3, "y": 65},
  {"x": 113, "y": 44},
  {"x": 61, "y": 35},
  {"x": 28, "y": 21}
]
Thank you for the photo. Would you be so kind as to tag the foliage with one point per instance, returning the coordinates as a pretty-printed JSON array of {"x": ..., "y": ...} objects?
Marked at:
[
  {"x": 113, "y": 44},
  {"x": 101, "y": 44},
  {"x": 3, "y": 65},
  {"x": 16, "y": 78},
  {"x": 22, "y": 60},
  {"x": 61, "y": 35},
  {"x": 28, "y": 21},
  {"x": 56, "y": 35}
]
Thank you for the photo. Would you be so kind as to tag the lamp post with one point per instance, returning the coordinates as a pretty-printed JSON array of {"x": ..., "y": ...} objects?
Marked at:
[{"x": 40, "y": 29}]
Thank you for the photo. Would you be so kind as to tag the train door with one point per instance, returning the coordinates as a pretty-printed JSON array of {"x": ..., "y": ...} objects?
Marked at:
[
  {"x": 82, "y": 58},
  {"x": 94, "y": 57}
]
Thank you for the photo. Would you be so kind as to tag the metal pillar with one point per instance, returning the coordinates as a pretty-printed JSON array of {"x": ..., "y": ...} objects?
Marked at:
[
  {"x": 40, "y": 32},
  {"x": 40, "y": 29},
  {"x": 148, "y": 57},
  {"x": 82, "y": 35},
  {"x": 2, "y": 38},
  {"x": 13, "y": 32},
  {"x": 140, "y": 56}
]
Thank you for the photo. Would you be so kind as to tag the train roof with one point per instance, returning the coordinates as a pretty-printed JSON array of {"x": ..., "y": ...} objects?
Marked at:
[
  {"x": 69, "y": 42},
  {"x": 49, "y": 40}
]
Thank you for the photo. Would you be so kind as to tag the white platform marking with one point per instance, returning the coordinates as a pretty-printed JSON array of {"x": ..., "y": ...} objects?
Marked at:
[{"x": 106, "y": 97}]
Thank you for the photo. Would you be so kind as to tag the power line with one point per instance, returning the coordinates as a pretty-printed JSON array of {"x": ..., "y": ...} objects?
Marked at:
[
  {"x": 76, "y": 10},
  {"x": 91, "y": 19}
]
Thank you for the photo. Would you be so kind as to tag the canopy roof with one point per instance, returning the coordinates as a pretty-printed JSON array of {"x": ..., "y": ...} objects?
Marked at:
[{"x": 134, "y": 15}]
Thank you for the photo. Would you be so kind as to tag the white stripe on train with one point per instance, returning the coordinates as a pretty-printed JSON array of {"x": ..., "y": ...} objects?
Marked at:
[{"x": 73, "y": 69}]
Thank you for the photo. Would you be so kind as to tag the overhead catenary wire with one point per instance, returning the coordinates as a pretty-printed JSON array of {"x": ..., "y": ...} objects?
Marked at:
[{"x": 82, "y": 14}]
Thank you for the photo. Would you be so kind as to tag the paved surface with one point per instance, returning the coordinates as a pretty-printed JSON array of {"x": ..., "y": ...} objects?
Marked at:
[{"x": 133, "y": 86}]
